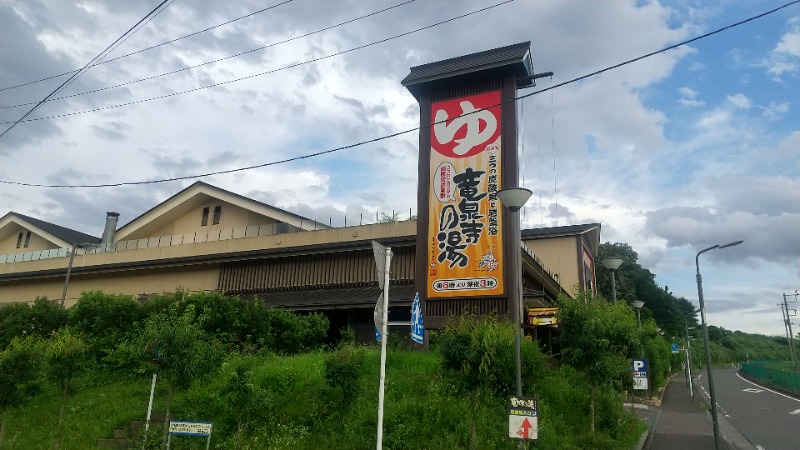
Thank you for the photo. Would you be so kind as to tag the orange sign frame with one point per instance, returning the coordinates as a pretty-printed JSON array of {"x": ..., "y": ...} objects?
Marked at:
[{"x": 465, "y": 251}]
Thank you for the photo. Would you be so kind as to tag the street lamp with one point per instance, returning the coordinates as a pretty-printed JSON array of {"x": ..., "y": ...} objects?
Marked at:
[
  {"x": 514, "y": 199},
  {"x": 688, "y": 356},
  {"x": 612, "y": 264},
  {"x": 705, "y": 337},
  {"x": 75, "y": 246},
  {"x": 637, "y": 304}
]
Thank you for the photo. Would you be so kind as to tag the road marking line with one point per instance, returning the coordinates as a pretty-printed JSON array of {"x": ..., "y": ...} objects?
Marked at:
[
  {"x": 753, "y": 390},
  {"x": 766, "y": 388},
  {"x": 796, "y": 412},
  {"x": 758, "y": 447}
]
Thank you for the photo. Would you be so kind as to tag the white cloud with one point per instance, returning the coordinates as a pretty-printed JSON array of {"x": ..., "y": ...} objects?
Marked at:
[
  {"x": 740, "y": 101},
  {"x": 688, "y": 92},
  {"x": 689, "y": 97},
  {"x": 691, "y": 103},
  {"x": 653, "y": 150},
  {"x": 785, "y": 57},
  {"x": 775, "y": 110}
]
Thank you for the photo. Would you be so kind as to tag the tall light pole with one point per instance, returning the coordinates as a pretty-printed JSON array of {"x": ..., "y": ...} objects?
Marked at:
[
  {"x": 705, "y": 337},
  {"x": 787, "y": 322},
  {"x": 75, "y": 247},
  {"x": 513, "y": 199},
  {"x": 688, "y": 357},
  {"x": 612, "y": 264},
  {"x": 637, "y": 304}
]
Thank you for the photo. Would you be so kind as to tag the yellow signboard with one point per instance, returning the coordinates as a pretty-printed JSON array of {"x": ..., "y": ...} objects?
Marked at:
[{"x": 465, "y": 251}]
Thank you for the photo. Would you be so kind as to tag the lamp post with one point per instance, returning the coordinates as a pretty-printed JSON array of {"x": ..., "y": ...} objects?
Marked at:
[
  {"x": 637, "y": 304},
  {"x": 513, "y": 199},
  {"x": 75, "y": 246},
  {"x": 612, "y": 264},
  {"x": 688, "y": 357},
  {"x": 705, "y": 337}
]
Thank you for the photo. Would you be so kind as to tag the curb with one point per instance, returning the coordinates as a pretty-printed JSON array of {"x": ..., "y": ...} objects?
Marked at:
[{"x": 732, "y": 437}]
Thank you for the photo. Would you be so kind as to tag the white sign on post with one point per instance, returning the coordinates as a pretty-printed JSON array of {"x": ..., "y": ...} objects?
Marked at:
[
  {"x": 523, "y": 418},
  {"x": 179, "y": 427},
  {"x": 640, "y": 374},
  {"x": 383, "y": 261}
]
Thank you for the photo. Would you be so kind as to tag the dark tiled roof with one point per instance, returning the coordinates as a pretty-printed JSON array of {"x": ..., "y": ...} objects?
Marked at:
[
  {"x": 517, "y": 56},
  {"x": 69, "y": 235},
  {"x": 568, "y": 230}
]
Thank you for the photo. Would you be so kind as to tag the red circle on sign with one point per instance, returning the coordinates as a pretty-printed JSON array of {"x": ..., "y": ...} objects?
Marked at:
[{"x": 466, "y": 126}]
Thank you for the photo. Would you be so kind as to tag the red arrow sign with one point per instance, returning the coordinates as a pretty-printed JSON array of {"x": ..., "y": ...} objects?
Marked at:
[{"x": 526, "y": 426}]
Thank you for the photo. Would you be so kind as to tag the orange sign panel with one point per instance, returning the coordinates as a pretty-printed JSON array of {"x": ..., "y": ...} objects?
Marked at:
[{"x": 465, "y": 251}]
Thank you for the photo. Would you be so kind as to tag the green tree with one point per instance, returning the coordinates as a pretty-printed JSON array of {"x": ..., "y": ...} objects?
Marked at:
[
  {"x": 478, "y": 356},
  {"x": 180, "y": 350},
  {"x": 386, "y": 218},
  {"x": 598, "y": 339},
  {"x": 67, "y": 355},
  {"x": 104, "y": 319},
  {"x": 19, "y": 375},
  {"x": 634, "y": 282},
  {"x": 42, "y": 318}
]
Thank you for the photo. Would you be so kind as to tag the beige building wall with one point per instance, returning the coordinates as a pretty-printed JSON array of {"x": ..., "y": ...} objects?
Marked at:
[
  {"x": 9, "y": 243},
  {"x": 232, "y": 217},
  {"x": 36, "y": 243},
  {"x": 190, "y": 278},
  {"x": 112, "y": 276},
  {"x": 560, "y": 256}
]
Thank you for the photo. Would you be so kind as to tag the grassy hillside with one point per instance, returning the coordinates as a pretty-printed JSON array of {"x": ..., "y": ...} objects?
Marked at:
[{"x": 290, "y": 404}]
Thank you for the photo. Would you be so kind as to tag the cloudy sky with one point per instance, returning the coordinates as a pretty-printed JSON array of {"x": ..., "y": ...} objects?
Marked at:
[{"x": 692, "y": 147}]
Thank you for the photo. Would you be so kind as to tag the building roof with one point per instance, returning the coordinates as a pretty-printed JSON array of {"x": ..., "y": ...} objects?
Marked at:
[
  {"x": 589, "y": 231},
  {"x": 199, "y": 192},
  {"x": 50, "y": 231},
  {"x": 567, "y": 230},
  {"x": 516, "y": 58}
]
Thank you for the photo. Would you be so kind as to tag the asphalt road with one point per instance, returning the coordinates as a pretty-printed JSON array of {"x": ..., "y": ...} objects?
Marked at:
[{"x": 768, "y": 419}]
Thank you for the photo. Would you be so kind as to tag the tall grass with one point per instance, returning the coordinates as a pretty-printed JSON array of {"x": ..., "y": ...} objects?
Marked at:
[{"x": 301, "y": 410}]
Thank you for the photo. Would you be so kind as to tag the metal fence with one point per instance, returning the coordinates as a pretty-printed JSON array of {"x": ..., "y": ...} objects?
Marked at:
[
  {"x": 155, "y": 242},
  {"x": 773, "y": 373}
]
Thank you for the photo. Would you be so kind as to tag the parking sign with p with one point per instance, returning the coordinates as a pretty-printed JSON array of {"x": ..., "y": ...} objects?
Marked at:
[{"x": 639, "y": 367}]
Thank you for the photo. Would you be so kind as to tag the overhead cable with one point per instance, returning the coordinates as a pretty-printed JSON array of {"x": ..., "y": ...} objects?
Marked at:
[
  {"x": 220, "y": 59},
  {"x": 400, "y": 133},
  {"x": 106, "y": 61},
  {"x": 86, "y": 67},
  {"x": 268, "y": 72}
]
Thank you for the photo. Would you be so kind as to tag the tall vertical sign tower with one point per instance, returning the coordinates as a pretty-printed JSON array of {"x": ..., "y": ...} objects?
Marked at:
[{"x": 467, "y": 152}]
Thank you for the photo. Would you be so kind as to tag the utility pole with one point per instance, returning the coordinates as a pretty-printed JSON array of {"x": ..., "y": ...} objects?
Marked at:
[{"x": 787, "y": 321}]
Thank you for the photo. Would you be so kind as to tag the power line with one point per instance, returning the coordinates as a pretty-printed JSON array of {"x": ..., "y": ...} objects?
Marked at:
[
  {"x": 149, "y": 48},
  {"x": 221, "y": 59},
  {"x": 100, "y": 56},
  {"x": 290, "y": 66},
  {"x": 400, "y": 133}
]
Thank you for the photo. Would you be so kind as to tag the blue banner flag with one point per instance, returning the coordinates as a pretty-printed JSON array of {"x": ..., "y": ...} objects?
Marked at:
[{"x": 417, "y": 328}]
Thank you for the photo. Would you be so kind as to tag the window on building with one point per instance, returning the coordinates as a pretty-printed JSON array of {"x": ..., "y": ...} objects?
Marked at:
[
  {"x": 217, "y": 214},
  {"x": 204, "y": 221},
  {"x": 19, "y": 240},
  {"x": 589, "y": 277},
  {"x": 27, "y": 239}
]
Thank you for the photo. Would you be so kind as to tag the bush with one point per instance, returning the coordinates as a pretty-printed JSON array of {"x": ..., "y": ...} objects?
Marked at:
[
  {"x": 105, "y": 319},
  {"x": 343, "y": 370},
  {"x": 42, "y": 319}
]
